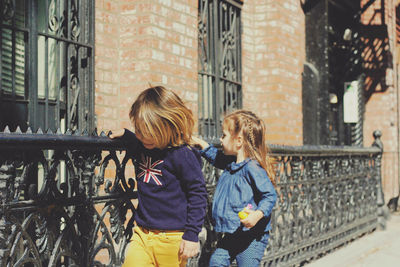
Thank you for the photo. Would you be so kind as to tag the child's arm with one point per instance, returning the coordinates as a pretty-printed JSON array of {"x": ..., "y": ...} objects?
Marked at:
[
  {"x": 189, "y": 249},
  {"x": 116, "y": 133},
  {"x": 213, "y": 155},
  {"x": 199, "y": 142},
  {"x": 188, "y": 166},
  {"x": 264, "y": 192},
  {"x": 127, "y": 137}
]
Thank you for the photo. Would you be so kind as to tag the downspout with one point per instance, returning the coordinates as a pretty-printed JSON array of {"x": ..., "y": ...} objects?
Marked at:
[{"x": 396, "y": 84}]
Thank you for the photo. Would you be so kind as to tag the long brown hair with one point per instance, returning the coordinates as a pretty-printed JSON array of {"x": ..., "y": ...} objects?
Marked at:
[
  {"x": 160, "y": 113},
  {"x": 253, "y": 130}
]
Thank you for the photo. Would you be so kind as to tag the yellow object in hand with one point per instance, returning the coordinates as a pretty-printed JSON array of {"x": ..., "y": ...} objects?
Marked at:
[
  {"x": 244, "y": 212},
  {"x": 243, "y": 215}
]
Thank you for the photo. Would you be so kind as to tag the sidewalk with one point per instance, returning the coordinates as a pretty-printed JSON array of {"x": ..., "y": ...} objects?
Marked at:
[{"x": 380, "y": 248}]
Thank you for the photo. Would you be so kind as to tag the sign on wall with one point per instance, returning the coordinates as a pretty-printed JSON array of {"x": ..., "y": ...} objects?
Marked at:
[{"x": 350, "y": 102}]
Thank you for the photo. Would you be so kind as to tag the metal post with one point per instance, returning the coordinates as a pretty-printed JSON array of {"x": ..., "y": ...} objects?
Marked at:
[
  {"x": 379, "y": 193},
  {"x": 32, "y": 82}
]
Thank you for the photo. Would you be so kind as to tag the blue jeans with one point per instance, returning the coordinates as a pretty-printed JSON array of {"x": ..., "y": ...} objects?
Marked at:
[{"x": 247, "y": 247}]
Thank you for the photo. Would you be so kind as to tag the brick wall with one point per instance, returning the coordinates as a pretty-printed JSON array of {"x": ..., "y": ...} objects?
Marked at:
[
  {"x": 139, "y": 43},
  {"x": 155, "y": 42},
  {"x": 107, "y": 74},
  {"x": 142, "y": 42},
  {"x": 382, "y": 107},
  {"x": 273, "y": 57}
]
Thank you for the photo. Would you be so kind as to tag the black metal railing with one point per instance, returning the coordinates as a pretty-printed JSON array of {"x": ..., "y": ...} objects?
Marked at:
[
  {"x": 67, "y": 200},
  {"x": 327, "y": 196}
]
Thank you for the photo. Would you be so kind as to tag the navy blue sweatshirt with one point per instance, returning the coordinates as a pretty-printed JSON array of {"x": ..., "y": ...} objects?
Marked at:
[{"x": 171, "y": 187}]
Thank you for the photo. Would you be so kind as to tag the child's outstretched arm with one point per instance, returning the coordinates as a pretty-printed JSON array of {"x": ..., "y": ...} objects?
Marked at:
[
  {"x": 128, "y": 137},
  {"x": 116, "y": 133},
  {"x": 200, "y": 142},
  {"x": 213, "y": 155}
]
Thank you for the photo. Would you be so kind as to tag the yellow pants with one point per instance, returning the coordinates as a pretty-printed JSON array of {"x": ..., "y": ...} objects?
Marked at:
[{"x": 154, "y": 248}]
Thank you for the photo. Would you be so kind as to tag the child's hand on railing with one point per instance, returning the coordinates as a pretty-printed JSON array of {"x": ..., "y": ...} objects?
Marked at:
[{"x": 116, "y": 134}]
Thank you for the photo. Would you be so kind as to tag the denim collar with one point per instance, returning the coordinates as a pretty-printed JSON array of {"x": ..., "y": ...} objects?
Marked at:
[{"x": 236, "y": 166}]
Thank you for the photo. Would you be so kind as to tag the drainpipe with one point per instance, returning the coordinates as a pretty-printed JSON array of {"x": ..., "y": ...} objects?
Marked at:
[
  {"x": 395, "y": 78},
  {"x": 396, "y": 84}
]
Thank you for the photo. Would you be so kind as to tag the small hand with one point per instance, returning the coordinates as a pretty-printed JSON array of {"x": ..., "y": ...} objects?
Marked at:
[
  {"x": 189, "y": 249},
  {"x": 199, "y": 142},
  {"x": 116, "y": 134},
  {"x": 253, "y": 218}
]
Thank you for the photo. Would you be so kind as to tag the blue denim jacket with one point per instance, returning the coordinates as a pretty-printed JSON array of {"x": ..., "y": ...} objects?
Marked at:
[{"x": 240, "y": 184}]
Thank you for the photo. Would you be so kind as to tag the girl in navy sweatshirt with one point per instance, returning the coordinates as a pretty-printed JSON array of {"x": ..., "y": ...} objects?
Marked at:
[{"x": 172, "y": 195}]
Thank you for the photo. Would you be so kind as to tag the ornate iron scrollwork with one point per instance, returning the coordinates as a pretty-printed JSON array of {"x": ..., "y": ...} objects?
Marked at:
[
  {"x": 75, "y": 23},
  {"x": 77, "y": 214},
  {"x": 326, "y": 197},
  {"x": 54, "y": 21},
  {"x": 228, "y": 39},
  {"x": 8, "y": 9},
  {"x": 58, "y": 24},
  {"x": 75, "y": 91},
  {"x": 73, "y": 214}
]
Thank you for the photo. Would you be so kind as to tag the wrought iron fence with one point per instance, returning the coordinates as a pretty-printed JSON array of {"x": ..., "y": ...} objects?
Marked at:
[
  {"x": 66, "y": 200},
  {"x": 327, "y": 196}
]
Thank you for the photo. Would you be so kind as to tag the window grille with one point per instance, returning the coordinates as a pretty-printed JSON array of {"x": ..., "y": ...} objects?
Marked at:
[
  {"x": 220, "y": 81},
  {"x": 47, "y": 64}
]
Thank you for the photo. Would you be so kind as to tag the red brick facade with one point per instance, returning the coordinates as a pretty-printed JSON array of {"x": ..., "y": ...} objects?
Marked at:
[
  {"x": 142, "y": 42},
  {"x": 382, "y": 108},
  {"x": 273, "y": 56},
  {"x": 139, "y": 43},
  {"x": 155, "y": 42}
]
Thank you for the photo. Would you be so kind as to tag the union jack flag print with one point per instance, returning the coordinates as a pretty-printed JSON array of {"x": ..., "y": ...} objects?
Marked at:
[{"x": 148, "y": 170}]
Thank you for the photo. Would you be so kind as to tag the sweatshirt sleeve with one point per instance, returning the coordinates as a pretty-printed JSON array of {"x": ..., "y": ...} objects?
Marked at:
[
  {"x": 189, "y": 169},
  {"x": 131, "y": 142},
  {"x": 264, "y": 191},
  {"x": 216, "y": 157}
]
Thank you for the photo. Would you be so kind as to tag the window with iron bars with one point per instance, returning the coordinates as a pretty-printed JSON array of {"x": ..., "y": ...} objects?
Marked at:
[
  {"x": 220, "y": 65},
  {"x": 47, "y": 64}
]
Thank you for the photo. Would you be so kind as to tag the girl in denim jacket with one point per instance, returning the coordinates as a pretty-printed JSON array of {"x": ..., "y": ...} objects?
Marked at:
[{"x": 248, "y": 178}]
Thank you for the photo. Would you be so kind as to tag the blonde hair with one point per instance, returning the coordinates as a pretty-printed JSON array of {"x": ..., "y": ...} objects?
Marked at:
[
  {"x": 160, "y": 113},
  {"x": 254, "y": 142}
]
